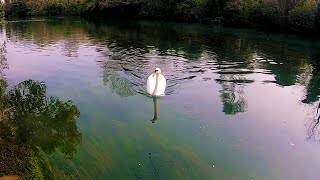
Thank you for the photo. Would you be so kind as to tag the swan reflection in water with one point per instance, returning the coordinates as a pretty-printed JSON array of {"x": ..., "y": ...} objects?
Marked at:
[{"x": 155, "y": 109}]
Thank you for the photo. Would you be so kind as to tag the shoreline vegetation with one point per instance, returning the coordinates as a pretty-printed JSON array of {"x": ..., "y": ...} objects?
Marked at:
[{"x": 289, "y": 16}]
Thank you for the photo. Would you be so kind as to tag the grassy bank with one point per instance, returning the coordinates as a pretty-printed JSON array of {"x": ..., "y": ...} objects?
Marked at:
[{"x": 299, "y": 16}]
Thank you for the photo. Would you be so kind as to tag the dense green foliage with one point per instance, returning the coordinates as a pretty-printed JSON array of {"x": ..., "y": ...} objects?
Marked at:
[
  {"x": 45, "y": 7},
  {"x": 292, "y": 15},
  {"x": 1, "y": 11}
]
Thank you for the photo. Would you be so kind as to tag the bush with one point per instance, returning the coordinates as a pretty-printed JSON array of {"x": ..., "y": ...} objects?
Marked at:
[
  {"x": 190, "y": 10},
  {"x": 215, "y": 8},
  {"x": 242, "y": 10},
  {"x": 302, "y": 17},
  {"x": 55, "y": 9},
  {"x": 270, "y": 13},
  {"x": 1, "y": 11},
  {"x": 18, "y": 8},
  {"x": 158, "y": 8},
  {"x": 317, "y": 18},
  {"x": 75, "y": 9}
]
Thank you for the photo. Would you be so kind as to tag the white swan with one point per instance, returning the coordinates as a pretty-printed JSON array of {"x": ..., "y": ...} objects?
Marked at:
[{"x": 156, "y": 84}]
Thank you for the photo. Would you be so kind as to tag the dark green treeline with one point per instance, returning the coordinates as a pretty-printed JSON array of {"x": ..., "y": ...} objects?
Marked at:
[{"x": 301, "y": 16}]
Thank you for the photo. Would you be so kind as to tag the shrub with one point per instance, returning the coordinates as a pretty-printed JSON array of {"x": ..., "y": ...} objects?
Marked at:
[
  {"x": 75, "y": 9},
  {"x": 1, "y": 11},
  {"x": 317, "y": 18},
  {"x": 18, "y": 8},
  {"x": 270, "y": 13},
  {"x": 158, "y": 8},
  {"x": 190, "y": 10},
  {"x": 55, "y": 9},
  {"x": 302, "y": 17},
  {"x": 242, "y": 10}
]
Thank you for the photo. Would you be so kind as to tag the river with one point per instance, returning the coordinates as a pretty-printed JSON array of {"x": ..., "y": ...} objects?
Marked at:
[{"x": 240, "y": 104}]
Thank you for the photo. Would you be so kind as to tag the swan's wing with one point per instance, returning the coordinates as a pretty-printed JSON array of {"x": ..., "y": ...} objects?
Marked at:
[
  {"x": 151, "y": 83},
  {"x": 162, "y": 84},
  {"x": 162, "y": 81}
]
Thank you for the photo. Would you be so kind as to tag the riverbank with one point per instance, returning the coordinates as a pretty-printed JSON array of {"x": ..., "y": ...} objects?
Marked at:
[{"x": 295, "y": 17}]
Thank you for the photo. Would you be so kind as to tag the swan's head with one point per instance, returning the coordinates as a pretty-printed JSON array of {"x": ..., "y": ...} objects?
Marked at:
[{"x": 158, "y": 70}]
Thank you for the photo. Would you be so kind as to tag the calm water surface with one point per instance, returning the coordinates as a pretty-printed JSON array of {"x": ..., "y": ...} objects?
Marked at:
[{"x": 240, "y": 104}]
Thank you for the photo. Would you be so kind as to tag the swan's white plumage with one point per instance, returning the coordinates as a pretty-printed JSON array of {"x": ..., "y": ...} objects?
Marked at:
[{"x": 151, "y": 84}]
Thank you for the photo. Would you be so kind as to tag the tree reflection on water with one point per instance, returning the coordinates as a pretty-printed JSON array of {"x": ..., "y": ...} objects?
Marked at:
[{"x": 32, "y": 126}]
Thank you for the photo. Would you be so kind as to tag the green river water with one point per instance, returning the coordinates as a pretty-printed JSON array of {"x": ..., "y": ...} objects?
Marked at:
[{"x": 239, "y": 104}]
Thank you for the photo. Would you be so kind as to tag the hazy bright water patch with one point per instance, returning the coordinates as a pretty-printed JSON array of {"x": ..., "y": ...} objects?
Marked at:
[{"x": 240, "y": 104}]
